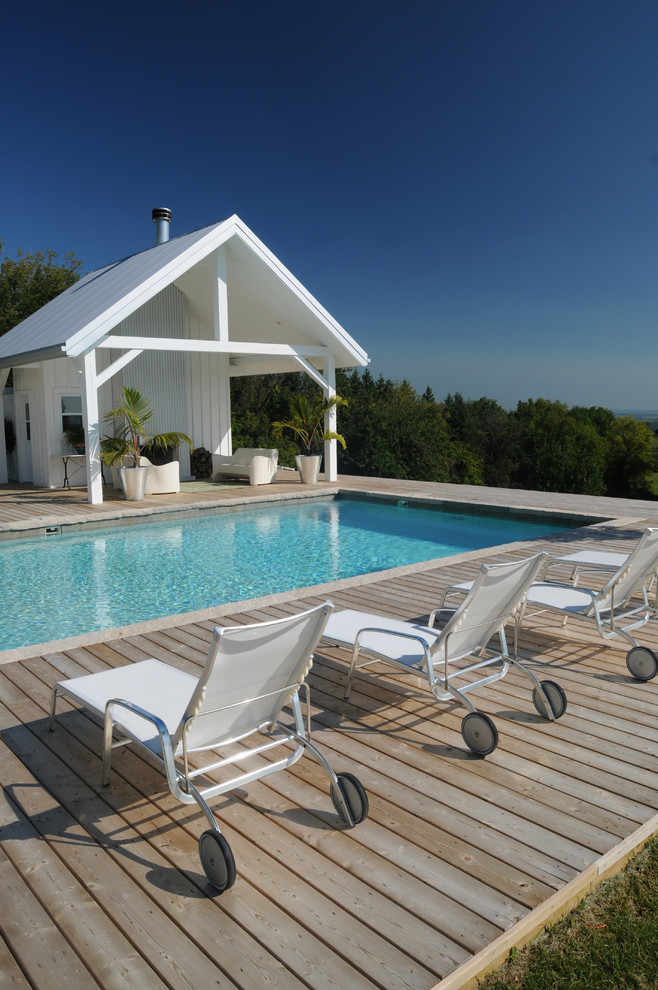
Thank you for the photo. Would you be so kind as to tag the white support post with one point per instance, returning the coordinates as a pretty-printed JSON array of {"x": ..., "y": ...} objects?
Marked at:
[
  {"x": 223, "y": 412},
  {"x": 220, "y": 328},
  {"x": 4, "y": 476},
  {"x": 330, "y": 420},
  {"x": 220, "y": 296},
  {"x": 92, "y": 427}
]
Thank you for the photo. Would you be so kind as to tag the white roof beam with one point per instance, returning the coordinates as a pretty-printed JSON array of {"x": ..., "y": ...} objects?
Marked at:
[
  {"x": 297, "y": 351},
  {"x": 246, "y": 366},
  {"x": 313, "y": 373}
]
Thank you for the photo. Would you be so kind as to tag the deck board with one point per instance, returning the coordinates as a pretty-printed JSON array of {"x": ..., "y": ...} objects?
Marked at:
[{"x": 105, "y": 884}]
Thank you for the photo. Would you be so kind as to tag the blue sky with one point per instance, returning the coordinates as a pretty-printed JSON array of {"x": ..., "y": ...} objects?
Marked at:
[{"x": 470, "y": 187}]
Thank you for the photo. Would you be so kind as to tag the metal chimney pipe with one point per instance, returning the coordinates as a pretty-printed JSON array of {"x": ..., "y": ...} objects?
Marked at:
[{"x": 161, "y": 217}]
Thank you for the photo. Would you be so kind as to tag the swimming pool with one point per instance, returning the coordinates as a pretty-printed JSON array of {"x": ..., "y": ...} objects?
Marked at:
[{"x": 72, "y": 583}]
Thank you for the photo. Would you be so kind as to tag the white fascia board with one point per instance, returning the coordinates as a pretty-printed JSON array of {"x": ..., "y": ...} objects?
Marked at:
[
  {"x": 286, "y": 276},
  {"x": 110, "y": 318}
]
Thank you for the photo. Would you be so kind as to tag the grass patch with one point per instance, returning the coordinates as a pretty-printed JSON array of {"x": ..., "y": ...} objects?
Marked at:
[{"x": 610, "y": 941}]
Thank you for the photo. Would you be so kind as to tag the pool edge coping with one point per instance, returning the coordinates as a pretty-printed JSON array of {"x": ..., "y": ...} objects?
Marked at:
[{"x": 125, "y": 517}]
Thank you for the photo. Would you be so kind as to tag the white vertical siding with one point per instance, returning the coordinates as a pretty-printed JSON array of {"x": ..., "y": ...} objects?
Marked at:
[
  {"x": 62, "y": 376},
  {"x": 208, "y": 384},
  {"x": 161, "y": 375}
]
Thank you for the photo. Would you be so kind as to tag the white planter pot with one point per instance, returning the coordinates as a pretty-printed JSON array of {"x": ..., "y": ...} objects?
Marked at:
[
  {"x": 308, "y": 466},
  {"x": 133, "y": 480}
]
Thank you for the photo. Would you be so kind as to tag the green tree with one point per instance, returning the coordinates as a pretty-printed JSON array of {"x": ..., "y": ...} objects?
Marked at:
[
  {"x": 602, "y": 419},
  {"x": 630, "y": 461},
  {"x": 629, "y": 456},
  {"x": 29, "y": 281},
  {"x": 392, "y": 432},
  {"x": 489, "y": 432},
  {"x": 257, "y": 401},
  {"x": 558, "y": 451}
]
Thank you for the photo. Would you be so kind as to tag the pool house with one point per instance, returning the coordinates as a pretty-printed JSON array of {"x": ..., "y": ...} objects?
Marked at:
[{"x": 177, "y": 321}]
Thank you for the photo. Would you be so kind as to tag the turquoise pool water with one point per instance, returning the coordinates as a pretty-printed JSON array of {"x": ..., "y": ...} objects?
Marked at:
[{"x": 67, "y": 584}]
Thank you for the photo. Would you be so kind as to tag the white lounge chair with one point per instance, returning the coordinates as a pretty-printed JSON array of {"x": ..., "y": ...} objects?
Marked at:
[
  {"x": 606, "y": 561},
  {"x": 495, "y": 597},
  {"x": 584, "y": 561},
  {"x": 589, "y": 561},
  {"x": 251, "y": 673},
  {"x": 612, "y": 606}
]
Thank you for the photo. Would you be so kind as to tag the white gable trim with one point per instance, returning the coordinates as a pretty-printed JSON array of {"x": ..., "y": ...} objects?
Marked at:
[
  {"x": 91, "y": 334},
  {"x": 286, "y": 276}
]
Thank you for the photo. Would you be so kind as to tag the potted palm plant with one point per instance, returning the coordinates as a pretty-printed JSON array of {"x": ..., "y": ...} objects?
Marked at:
[
  {"x": 131, "y": 435},
  {"x": 306, "y": 422},
  {"x": 75, "y": 437}
]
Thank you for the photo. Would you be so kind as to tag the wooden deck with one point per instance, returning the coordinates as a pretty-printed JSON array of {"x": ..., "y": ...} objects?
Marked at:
[{"x": 458, "y": 860}]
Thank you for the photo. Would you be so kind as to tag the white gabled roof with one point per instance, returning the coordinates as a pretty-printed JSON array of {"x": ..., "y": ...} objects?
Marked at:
[{"x": 266, "y": 302}]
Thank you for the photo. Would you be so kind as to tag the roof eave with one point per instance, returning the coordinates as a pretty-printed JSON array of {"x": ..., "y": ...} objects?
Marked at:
[{"x": 33, "y": 357}]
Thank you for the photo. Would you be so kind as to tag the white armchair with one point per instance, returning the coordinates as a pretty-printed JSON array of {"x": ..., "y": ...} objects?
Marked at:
[
  {"x": 258, "y": 464},
  {"x": 162, "y": 479}
]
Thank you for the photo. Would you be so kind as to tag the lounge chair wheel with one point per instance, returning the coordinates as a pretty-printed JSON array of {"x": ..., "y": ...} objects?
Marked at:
[
  {"x": 479, "y": 733},
  {"x": 355, "y": 797},
  {"x": 217, "y": 860},
  {"x": 642, "y": 663},
  {"x": 557, "y": 699}
]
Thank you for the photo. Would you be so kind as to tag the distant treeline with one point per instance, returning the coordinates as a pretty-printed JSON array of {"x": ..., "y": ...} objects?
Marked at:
[{"x": 392, "y": 431}]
